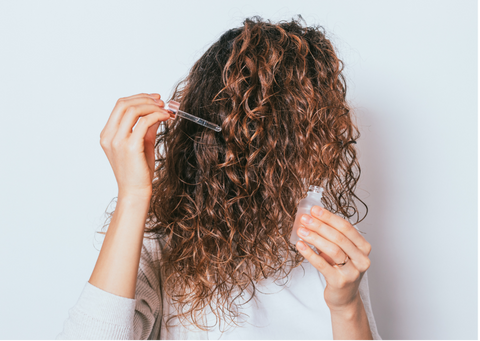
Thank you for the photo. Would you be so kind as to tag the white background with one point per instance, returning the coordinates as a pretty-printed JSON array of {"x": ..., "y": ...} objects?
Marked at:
[{"x": 411, "y": 68}]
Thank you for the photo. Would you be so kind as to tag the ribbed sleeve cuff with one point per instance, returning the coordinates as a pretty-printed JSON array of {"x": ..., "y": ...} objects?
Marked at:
[{"x": 105, "y": 306}]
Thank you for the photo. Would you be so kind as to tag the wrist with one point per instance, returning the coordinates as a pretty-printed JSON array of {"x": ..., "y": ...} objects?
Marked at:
[
  {"x": 349, "y": 311},
  {"x": 351, "y": 322},
  {"x": 138, "y": 201},
  {"x": 141, "y": 197}
]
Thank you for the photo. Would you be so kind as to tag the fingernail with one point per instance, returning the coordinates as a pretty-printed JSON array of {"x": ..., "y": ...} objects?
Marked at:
[
  {"x": 303, "y": 231},
  {"x": 317, "y": 210},
  {"x": 306, "y": 219},
  {"x": 301, "y": 246}
]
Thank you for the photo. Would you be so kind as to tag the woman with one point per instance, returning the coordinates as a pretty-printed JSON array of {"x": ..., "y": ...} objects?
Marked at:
[{"x": 198, "y": 245}]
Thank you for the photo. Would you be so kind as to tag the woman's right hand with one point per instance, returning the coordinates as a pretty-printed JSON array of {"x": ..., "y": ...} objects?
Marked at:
[{"x": 132, "y": 153}]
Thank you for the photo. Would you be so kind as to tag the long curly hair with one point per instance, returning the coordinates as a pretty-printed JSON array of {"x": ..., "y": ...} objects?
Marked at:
[{"x": 224, "y": 202}]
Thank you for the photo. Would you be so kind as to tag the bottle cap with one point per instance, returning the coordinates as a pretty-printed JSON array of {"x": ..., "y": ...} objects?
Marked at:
[{"x": 173, "y": 107}]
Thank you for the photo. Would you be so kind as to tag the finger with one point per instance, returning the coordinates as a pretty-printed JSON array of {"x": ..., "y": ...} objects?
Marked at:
[
  {"x": 121, "y": 107},
  {"x": 151, "y": 134},
  {"x": 342, "y": 226},
  {"x": 332, "y": 250},
  {"x": 149, "y": 140},
  {"x": 152, "y": 95},
  {"x": 146, "y": 122},
  {"x": 131, "y": 117},
  {"x": 155, "y": 95},
  {"x": 316, "y": 260},
  {"x": 359, "y": 259},
  {"x": 336, "y": 275}
]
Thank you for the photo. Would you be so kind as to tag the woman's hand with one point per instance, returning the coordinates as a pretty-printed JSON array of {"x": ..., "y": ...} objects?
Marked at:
[
  {"x": 335, "y": 238},
  {"x": 132, "y": 153}
]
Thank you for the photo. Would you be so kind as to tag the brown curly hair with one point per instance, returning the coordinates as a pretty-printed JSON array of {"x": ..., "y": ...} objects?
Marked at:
[{"x": 224, "y": 202}]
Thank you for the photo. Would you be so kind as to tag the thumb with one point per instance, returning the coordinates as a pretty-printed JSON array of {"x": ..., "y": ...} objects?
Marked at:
[{"x": 151, "y": 134}]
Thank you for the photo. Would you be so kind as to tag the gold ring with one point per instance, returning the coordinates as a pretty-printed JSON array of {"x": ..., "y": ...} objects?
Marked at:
[{"x": 342, "y": 264}]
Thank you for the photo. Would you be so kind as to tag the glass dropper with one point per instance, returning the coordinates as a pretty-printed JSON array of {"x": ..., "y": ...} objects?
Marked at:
[{"x": 174, "y": 106}]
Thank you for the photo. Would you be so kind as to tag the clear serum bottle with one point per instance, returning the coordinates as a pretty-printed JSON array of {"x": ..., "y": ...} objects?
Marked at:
[{"x": 313, "y": 198}]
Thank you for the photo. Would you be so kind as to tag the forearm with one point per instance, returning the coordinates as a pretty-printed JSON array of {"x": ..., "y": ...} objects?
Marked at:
[
  {"x": 117, "y": 264},
  {"x": 351, "y": 323}
]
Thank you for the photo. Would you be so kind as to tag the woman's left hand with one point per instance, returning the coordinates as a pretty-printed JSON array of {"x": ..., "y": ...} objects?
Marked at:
[{"x": 335, "y": 239}]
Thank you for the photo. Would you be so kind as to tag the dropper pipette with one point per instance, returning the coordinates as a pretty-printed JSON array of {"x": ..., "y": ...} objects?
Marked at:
[{"x": 174, "y": 106}]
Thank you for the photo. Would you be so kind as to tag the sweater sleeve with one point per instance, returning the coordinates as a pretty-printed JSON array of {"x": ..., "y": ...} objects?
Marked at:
[
  {"x": 102, "y": 315},
  {"x": 365, "y": 296}
]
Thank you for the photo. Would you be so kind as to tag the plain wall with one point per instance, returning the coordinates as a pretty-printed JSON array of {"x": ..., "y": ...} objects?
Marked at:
[{"x": 411, "y": 69}]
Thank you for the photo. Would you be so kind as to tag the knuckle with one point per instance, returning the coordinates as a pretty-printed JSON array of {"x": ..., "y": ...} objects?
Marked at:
[
  {"x": 116, "y": 143},
  {"x": 345, "y": 226},
  {"x": 338, "y": 238},
  {"x": 355, "y": 275},
  {"x": 319, "y": 228},
  {"x": 367, "y": 264},
  {"x": 121, "y": 103},
  {"x": 330, "y": 250},
  {"x": 104, "y": 143},
  {"x": 131, "y": 110},
  {"x": 337, "y": 253},
  {"x": 132, "y": 146},
  {"x": 368, "y": 248},
  {"x": 318, "y": 264}
]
